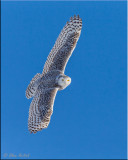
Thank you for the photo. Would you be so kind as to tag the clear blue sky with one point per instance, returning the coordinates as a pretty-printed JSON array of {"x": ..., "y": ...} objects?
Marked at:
[{"x": 89, "y": 117}]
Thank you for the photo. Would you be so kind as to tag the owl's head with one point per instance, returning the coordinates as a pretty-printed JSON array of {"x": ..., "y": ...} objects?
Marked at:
[{"x": 63, "y": 81}]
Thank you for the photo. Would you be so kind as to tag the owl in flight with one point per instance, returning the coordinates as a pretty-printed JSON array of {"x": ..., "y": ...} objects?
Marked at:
[{"x": 43, "y": 87}]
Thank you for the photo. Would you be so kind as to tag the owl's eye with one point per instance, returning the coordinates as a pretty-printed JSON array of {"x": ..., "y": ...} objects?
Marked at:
[
  {"x": 62, "y": 79},
  {"x": 68, "y": 80}
]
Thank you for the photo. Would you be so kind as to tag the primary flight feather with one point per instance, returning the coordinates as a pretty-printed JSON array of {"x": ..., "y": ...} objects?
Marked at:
[{"x": 43, "y": 87}]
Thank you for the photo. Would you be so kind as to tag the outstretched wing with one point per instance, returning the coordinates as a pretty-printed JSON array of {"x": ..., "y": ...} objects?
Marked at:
[
  {"x": 64, "y": 46},
  {"x": 41, "y": 109}
]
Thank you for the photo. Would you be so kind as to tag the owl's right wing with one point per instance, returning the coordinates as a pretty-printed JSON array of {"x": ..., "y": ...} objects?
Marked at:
[
  {"x": 41, "y": 109},
  {"x": 64, "y": 46}
]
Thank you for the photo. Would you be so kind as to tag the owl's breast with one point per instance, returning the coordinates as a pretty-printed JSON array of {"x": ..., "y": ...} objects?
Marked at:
[{"x": 49, "y": 80}]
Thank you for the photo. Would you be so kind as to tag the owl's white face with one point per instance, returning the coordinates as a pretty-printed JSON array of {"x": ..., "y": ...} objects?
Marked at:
[{"x": 64, "y": 81}]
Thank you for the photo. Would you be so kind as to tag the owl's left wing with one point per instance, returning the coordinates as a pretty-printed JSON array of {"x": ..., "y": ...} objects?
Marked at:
[
  {"x": 64, "y": 46},
  {"x": 41, "y": 109}
]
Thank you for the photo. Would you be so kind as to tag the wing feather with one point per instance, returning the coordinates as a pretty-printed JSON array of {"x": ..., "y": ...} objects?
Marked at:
[
  {"x": 64, "y": 46},
  {"x": 41, "y": 109}
]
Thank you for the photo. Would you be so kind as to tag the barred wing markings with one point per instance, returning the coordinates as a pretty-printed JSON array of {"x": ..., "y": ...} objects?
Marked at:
[
  {"x": 41, "y": 109},
  {"x": 64, "y": 46}
]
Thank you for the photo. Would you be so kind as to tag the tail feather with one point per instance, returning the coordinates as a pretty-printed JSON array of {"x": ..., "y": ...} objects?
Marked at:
[{"x": 32, "y": 87}]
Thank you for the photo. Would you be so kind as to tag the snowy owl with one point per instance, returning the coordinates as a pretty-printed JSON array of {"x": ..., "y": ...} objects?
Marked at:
[{"x": 43, "y": 87}]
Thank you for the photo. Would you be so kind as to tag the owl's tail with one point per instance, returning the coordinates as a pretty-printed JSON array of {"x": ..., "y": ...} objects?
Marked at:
[{"x": 32, "y": 87}]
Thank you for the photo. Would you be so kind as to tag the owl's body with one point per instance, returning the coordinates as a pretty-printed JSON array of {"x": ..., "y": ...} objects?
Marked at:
[
  {"x": 49, "y": 80},
  {"x": 44, "y": 87}
]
